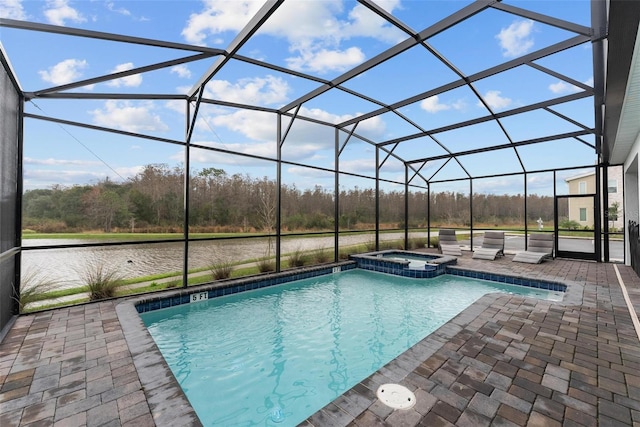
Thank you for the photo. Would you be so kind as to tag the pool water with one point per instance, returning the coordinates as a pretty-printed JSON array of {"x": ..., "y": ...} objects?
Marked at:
[
  {"x": 275, "y": 356},
  {"x": 414, "y": 262}
]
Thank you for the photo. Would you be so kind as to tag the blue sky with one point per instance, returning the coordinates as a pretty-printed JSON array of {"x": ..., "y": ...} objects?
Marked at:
[{"x": 322, "y": 39}]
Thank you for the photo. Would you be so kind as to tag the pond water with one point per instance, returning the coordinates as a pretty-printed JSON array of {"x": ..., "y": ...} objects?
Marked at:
[{"x": 68, "y": 265}]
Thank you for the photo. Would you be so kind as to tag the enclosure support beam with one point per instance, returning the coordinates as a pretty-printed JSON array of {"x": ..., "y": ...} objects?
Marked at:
[
  {"x": 406, "y": 207},
  {"x": 279, "y": 191},
  {"x": 377, "y": 198},
  {"x": 597, "y": 221},
  {"x": 599, "y": 27},
  {"x": 190, "y": 126},
  {"x": 605, "y": 208},
  {"x": 336, "y": 201},
  {"x": 555, "y": 215},
  {"x": 18, "y": 207},
  {"x": 526, "y": 212},
  {"x": 471, "y": 213}
]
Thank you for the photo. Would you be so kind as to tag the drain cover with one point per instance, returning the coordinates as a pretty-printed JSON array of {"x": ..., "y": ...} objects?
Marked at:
[{"x": 396, "y": 396}]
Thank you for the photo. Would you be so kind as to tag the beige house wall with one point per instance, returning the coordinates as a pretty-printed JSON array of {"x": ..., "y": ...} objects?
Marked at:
[{"x": 589, "y": 187}]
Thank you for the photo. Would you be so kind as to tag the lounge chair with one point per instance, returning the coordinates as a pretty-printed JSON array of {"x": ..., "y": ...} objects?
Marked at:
[
  {"x": 540, "y": 248},
  {"x": 492, "y": 246},
  {"x": 448, "y": 243}
]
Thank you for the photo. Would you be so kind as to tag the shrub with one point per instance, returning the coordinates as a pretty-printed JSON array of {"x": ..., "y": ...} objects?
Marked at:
[
  {"x": 296, "y": 258},
  {"x": 33, "y": 286},
  {"x": 344, "y": 254},
  {"x": 266, "y": 265},
  {"x": 569, "y": 224},
  {"x": 370, "y": 245},
  {"x": 417, "y": 242},
  {"x": 101, "y": 280},
  {"x": 220, "y": 265},
  {"x": 173, "y": 284},
  {"x": 221, "y": 270},
  {"x": 321, "y": 255}
]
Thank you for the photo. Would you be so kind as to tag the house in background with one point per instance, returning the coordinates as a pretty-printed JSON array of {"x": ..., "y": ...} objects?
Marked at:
[{"x": 582, "y": 210}]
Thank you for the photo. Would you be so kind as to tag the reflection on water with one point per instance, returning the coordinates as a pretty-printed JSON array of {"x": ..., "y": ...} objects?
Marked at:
[{"x": 67, "y": 265}]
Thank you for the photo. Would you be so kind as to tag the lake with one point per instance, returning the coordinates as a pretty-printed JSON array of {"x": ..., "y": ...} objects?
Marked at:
[{"x": 68, "y": 265}]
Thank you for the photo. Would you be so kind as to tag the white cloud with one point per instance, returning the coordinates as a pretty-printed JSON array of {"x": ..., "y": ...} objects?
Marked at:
[
  {"x": 42, "y": 173},
  {"x": 182, "y": 71},
  {"x": 315, "y": 40},
  {"x": 219, "y": 16},
  {"x": 59, "y": 11},
  {"x": 311, "y": 176},
  {"x": 358, "y": 165},
  {"x": 176, "y": 105},
  {"x": 64, "y": 72},
  {"x": 433, "y": 105},
  {"x": 259, "y": 126},
  {"x": 304, "y": 141},
  {"x": 324, "y": 60},
  {"x": 134, "y": 80},
  {"x": 12, "y": 9},
  {"x": 125, "y": 116},
  {"x": 59, "y": 162},
  {"x": 121, "y": 10},
  {"x": 516, "y": 39},
  {"x": 494, "y": 100},
  {"x": 42, "y": 178},
  {"x": 267, "y": 90},
  {"x": 265, "y": 149},
  {"x": 505, "y": 185},
  {"x": 127, "y": 172},
  {"x": 563, "y": 87},
  {"x": 255, "y": 125}
]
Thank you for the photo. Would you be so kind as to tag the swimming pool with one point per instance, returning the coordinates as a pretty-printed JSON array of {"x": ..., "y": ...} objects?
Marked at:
[{"x": 276, "y": 355}]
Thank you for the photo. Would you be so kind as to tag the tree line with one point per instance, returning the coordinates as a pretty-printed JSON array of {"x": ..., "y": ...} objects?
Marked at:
[{"x": 153, "y": 201}]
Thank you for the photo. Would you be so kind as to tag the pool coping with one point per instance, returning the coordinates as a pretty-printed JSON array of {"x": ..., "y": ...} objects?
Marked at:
[{"x": 169, "y": 404}]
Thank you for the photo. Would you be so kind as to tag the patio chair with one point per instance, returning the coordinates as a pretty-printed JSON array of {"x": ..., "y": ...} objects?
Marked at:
[
  {"x": 492, "y": 246},
  {"x": 448, "y": 243},
  {"x": 540, "y": 248}
]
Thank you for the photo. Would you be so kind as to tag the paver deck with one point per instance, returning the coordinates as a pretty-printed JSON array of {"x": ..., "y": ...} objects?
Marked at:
[{"x": 504, "y": 361}]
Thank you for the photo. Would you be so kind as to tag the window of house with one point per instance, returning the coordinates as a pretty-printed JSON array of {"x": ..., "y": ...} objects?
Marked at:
[
  {"x": 583, "y": 214},
  {"x": 583, "y": 187},
  {"x": 612, "y": 186}
]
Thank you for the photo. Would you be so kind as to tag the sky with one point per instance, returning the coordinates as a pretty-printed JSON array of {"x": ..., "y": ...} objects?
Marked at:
[{"x": 321, "y": 40}]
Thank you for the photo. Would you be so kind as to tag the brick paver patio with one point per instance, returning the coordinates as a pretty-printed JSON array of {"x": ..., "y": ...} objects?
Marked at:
[{"x": 504, "y": 361}]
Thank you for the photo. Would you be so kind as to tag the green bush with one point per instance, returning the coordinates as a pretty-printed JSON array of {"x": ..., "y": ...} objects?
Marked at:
[
  {"x": 221, "y": 270},
  {"x": 101, "y": 280},
  {"x": 296, "y": 258},
  {"x": 343, "y": 254},
  {"x": 220, "y": 265},
  {"x": 33, "y": 286},
  {"x": 417, "y": 243},
  {"x": 266, "y": 265},
  {"x": 569, "y": 224},
  {"x": 321, "y": 255}
]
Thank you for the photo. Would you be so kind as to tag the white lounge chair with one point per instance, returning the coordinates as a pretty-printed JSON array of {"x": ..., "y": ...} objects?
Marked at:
[
  {"x": 540, "y": 248},
  {"x": 448, "y": 242},
  {"x": 492, "y": 246}
]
